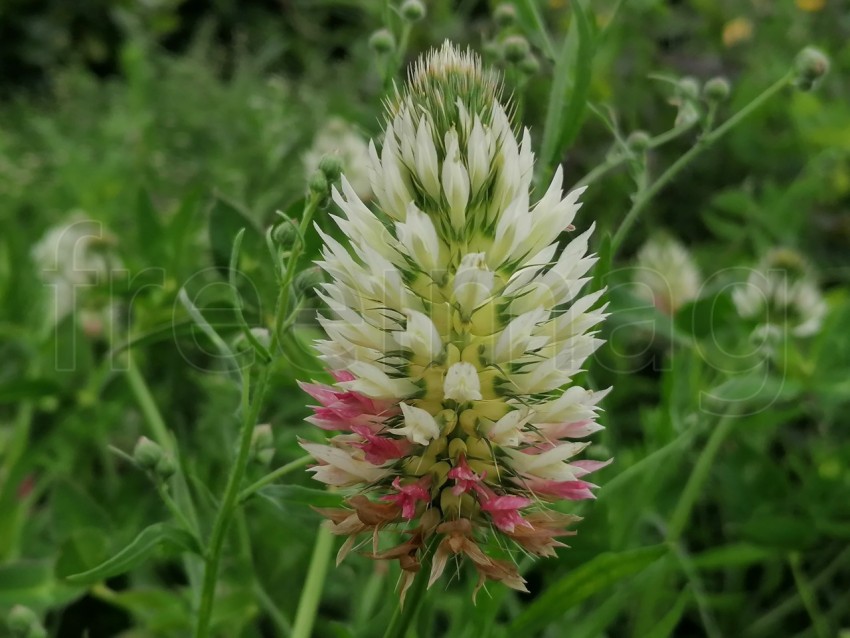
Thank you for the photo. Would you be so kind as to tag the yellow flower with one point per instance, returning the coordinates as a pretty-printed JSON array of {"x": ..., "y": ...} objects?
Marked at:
[
  {"x": 811, "y": 5},
  {"x": 736, "y": 31}
]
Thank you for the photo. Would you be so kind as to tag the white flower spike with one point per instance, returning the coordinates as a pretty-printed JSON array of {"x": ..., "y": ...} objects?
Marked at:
[{"x": 456, "y": 326}]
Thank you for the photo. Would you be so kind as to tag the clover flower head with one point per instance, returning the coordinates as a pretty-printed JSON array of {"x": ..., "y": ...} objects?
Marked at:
[
  {"x": 782, "y": 292},
  {"x": 72, "y": 257},
  {"x": 666, "y": 274},
  {"x": 455, "y": 328},
  {"x": 338, "y": 137}
]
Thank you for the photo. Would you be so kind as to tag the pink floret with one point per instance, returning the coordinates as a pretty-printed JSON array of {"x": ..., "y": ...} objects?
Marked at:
[{"x": 408, "y": 495}]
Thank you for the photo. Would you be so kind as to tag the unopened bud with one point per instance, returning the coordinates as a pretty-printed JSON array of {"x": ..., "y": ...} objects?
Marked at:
[
  {"x": 331, "y": 166},
  {"x": 688, "y": 88},
  {"x": 811, "y": 64},
  {"x": 166, "y": 467},
  {"x": 147, "y": 453},
  {"x": 262, "y": 444},
  {"x": 529, "y": 65},
  {"x": 308, "y": 279},
  {"x": 516, "y": 48},
  {"x": 24, "y": 623},
  {"x": 285, "y": 233},
  {"x": 716, "y": 89},
  {"x": 382, "y": 41},
  {"x": 638, "y": 141},
  {"x": 505, "y": 15},
  {"x": 319, "y": 184},
  {"x": 413, "y": 10},
  {"x": 492, "y": 50}
]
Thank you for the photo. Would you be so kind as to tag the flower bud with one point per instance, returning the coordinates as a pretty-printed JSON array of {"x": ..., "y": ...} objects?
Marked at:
[
  {"x": 716, "y": 89},
  {"x": 688, "y": 87},
  {"x": 492, "y": 50},
  {"x": 811, "y": 64},
  {"x": 515, "y": 48},
  {"x": 638, "y": 141},
  {"x": 382, "y": 41},
  {"x": 24, "y": 623},
  {"x": 331, "y": 166},
  {"x": 319, "y": 184},
  {"x": 413, "y": 10},
  {"x": 285, "y": 232},
  {"x": 262, "y": 444},
  {"x": 308, "y": 279},
  {"x": 529, "y": 65},
  {"x": 147, "y": 453},
  {"x": 505, "y": 15},
  {"x": 165, "y": 467}
]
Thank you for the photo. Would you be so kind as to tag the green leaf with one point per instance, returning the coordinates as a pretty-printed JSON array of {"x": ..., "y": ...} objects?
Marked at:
[
  {"x": 16, "y": 390},
  {"x": 149, "y": 230},
  {"x": 73, "y": 508},
  {"x": 734, "y": 555},
  {"x": 179, "y": 235},
  {"x": 31, "y": 583},
  {"x": 706, "y": 317},
  {"x": 280, "y": 494},
  {"x": 583, "y": 582},
  {"x": 159, "y": 611},
  {"x": 603, "y": 266},
  {"x": 226, "y": 219},
  {"x": 667, "y": 625},
  {"x": 528, "y": 15},
  {"x": 780, "y": 531},
  {"x": 139, "y": 550},
  {"x": 570, "y": 89},
  {"x": 84, "y": 548}
]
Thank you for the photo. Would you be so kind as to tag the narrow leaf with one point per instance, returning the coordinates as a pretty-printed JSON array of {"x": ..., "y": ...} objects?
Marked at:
[
  {"x": 139, "y": 550},
  {"x": 278, "y": 495},
  {"x": 570, "y": 88},
  {"x": 583, "y": 582}
]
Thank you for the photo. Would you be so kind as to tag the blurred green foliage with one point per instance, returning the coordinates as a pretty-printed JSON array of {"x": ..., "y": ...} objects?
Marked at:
[{"x": 175, "y": 124}]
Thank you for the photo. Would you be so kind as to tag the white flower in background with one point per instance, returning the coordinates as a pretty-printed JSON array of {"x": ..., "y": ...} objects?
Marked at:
[
  {"x": 338, "y": 137},
  {"x": 782, "y": 292},
  {"x": 71, "y": 259},
  {"x": 455, "y": 329},
  {"x": 665, "y": 274}
]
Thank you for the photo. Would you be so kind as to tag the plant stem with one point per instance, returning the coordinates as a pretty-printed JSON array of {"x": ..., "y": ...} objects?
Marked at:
[
  {"x": 643, "y": 197},
  {"x": 282, "y": 305},
  {"x": 148, "y": 406},
  {"x": 403, "y": 616},
  {"x": 703, "y": 606},
  {"x": 698, "y": 476},
  {"x": 305, "y": 616},
  {"x": 159, "y": 431},
  {"x": 271, "y": 477},
  {"x": 808, "y": 597},
  {"x": 250, "y": 412}
]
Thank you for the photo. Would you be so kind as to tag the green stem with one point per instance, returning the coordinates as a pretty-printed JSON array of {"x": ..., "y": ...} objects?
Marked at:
[
  {"x": 697, "y": 479},
  {"x": 276, "y": 615},
  {"x": 644, "y": 196},
  {"x": 271, "y": 477},
  {"x": 148, "y": 407},
  {"x": 403, "y": 616},
  {"x": 808, "y": 597},
  {"x": 703, "y": 605},
  {"x": 250, "y": 412},
  {"x": 282, "y": 305},
  {"x": 616, "y": 159},
  {"x": 311, "y": 595},
  {"x": 775, "y": 615},
  {"x": 159, "y": 431}
]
